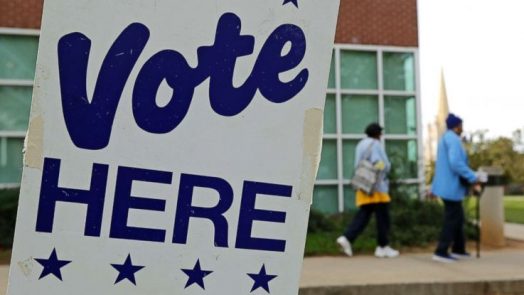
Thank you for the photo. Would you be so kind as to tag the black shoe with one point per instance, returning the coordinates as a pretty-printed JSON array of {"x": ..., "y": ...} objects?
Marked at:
[{"x": 444, "y": 258}]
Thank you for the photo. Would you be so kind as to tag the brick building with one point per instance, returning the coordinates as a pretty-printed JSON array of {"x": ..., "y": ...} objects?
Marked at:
[{"x": 374, "y": 77}]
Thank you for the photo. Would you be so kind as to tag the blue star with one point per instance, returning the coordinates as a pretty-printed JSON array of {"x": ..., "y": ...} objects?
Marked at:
[
  {"x": 295, "y": 2},
  {"x": 52, "y": 265},
  {"x": 196, "y": 275},
  {"x": 261, "y": 279},
  {"x": 127, "y": 270}
]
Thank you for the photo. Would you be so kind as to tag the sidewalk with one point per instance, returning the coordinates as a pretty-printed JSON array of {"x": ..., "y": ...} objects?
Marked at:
[
  {"x": 514, "y": 231},
  {"x": 4, "y": 271},
  {"x": 497, "y": 272}
]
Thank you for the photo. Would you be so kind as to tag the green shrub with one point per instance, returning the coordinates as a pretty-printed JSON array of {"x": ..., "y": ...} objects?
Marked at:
[
  {"x": 470, "y": 210},
  {"x": 415, "y": 223},
  {"x": 8, "y": 208},
  {"x": 319, "y": 223},
  {"x": 514, "y": 209}
]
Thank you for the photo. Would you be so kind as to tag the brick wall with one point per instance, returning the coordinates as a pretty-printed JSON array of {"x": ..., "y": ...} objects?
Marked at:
[
  {"x": 21, "y": 13},
  {"x": 378, "y": 22}
]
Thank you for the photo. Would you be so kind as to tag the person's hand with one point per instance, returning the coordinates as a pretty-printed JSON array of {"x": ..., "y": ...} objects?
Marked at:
[
  {"x": 477, "y": 188},
  {"x": 482, "y": 177}
]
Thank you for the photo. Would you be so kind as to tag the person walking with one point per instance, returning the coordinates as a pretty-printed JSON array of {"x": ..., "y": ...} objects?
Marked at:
[
  {"x": 377, "y": 202},
  {"x": 451, "y": 183}
]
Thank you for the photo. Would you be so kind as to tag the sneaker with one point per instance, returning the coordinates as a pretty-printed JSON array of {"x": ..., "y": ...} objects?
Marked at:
[
  {"x": 386, "y": 252},
  {"x": 345, "y": 245},
  {"x": 463, "y": 255},
  {"x": 444, "y": 258}
]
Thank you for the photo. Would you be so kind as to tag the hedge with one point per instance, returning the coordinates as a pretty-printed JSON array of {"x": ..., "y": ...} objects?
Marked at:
[{"x": 8, "y": 208}]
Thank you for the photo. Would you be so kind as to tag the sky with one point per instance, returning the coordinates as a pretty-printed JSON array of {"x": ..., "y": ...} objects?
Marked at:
[{"x": 480, "y": 46}]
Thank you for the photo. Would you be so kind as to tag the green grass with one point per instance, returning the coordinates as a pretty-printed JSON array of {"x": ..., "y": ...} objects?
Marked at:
[
  {"x": 324, "y": 244},
  {"x": 414, "y": 224},
  {"x": 323, "y": 231},
  {"x": 514, "y": 209}
]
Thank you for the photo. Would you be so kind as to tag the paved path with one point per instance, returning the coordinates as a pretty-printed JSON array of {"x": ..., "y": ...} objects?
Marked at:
[
  {"x": 514, "y": 231},
  {"x": 4, "y": 270},
  {"x": 412, "y": 268}
]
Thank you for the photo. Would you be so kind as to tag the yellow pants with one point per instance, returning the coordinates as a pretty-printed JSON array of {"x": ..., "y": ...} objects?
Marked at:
[{"x": 377, "y": 197}]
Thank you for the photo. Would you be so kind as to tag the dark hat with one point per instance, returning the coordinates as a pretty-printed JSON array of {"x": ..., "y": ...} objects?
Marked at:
[
  {"x": 374, "y": 130},
  {"x": 453, "y": 121}
]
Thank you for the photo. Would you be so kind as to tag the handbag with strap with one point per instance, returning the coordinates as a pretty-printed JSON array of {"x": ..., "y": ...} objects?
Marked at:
[{"x": 366, "y": 175}]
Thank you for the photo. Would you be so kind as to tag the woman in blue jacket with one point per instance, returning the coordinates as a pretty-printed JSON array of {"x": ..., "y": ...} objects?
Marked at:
[{"x": 450, "y": 183}]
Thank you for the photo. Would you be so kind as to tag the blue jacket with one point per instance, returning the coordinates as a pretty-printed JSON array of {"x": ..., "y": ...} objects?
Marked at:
[
  {"x": 377, "y": 154},
  {"x": 452, "y": 162}
]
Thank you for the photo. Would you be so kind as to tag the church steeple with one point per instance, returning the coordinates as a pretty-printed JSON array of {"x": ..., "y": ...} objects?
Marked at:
[{"x": 443, "y": 106}]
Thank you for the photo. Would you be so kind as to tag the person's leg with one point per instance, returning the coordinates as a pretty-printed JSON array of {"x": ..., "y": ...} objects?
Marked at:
[
  {"x": 459, "y": 241},
  {"x": 359, "y": 223},
  {"x": 383, "y": 224},
  {"x": 448, "y": 228}
]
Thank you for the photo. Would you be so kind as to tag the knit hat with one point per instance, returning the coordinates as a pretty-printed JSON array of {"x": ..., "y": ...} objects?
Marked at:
[{"x": 453, "y": 121}]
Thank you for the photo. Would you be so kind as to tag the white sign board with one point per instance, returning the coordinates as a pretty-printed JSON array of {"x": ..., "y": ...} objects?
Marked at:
[{"x": 173, "y": 146}]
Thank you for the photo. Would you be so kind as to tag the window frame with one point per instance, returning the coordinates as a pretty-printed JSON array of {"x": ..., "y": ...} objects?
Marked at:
[
  {"x": 4, "y": 134},
  {"x": 381, "y": 93},
  {"x": 340, "y": 182}
]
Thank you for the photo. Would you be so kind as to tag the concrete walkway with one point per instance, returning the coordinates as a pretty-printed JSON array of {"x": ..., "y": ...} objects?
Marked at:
[
  {"x": 514, "y": 231},
  {"x": 497, "y": 272},
  {"x": 4, "y": 271}
]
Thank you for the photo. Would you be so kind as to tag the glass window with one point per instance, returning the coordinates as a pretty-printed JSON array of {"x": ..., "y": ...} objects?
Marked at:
[
  {"x": 332, "y": 73},
  {"x": 355, "y": 77},
  {"x": 349, "y": 198},
  {"x": 15, "y": 103},
  {"x": 357, "y": 112},
  {"x": 18, "y": 57},
  {"x": 11, "y": 159},
  {"x": 330, "y": 115},
  {"x": 400, "y": 115},
  {"x": 404, "y": 158},
  {"x": 325, "y": 199},
  {"x": 349, "y": 148},
  {"x": 406, "y": 190},
  {"x": 358, "y": 69},
  {"x": 399, "y": 71},
  {"x": 328, "y": 162}
]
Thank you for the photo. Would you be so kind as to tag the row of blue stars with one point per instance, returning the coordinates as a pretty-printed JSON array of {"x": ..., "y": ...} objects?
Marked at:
[
  {"x": 126, "y": 271},
  {"x": 295, "y": 2}
]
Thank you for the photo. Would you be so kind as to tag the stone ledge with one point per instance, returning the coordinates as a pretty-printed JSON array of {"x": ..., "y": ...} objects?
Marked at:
[{"x": 506, "y": 287}]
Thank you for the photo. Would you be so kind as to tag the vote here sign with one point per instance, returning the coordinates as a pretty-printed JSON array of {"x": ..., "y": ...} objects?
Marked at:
[{"x": 173, "y": 146}]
